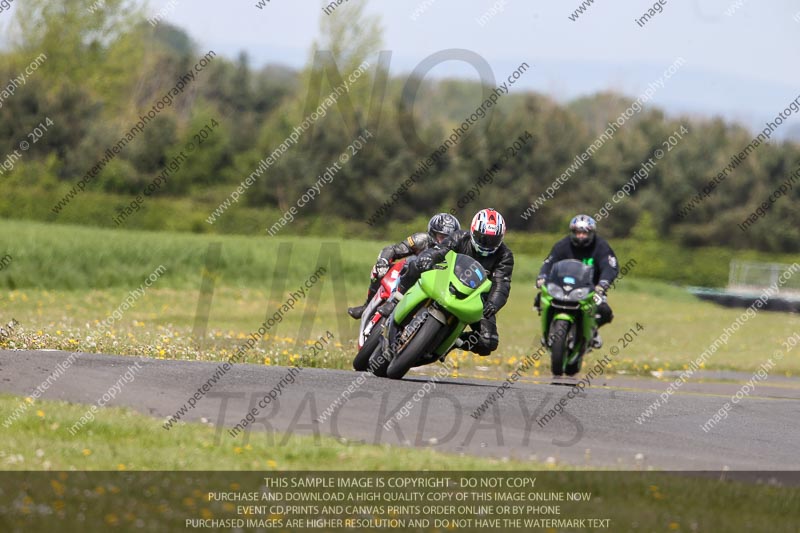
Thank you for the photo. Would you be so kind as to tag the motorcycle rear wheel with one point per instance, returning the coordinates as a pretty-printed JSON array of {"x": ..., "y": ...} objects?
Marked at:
[
  {"x": 378, "y": 362},
  {"x": 361, "y": 361}
]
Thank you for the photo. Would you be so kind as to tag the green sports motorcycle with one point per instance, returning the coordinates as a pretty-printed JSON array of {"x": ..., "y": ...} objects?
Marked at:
[
  {"x": 568, "y": 313},
  {"x": 427, "y": 322}
]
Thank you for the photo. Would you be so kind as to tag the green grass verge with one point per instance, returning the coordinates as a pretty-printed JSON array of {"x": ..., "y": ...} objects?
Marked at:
[
  {"x": 63, "y": 257},
  {"x": 116, "y": 439},
  {"x": 68, "y": 279},
  {"x": 677, "y": 329},
  {"x": 40, "y": 440}
]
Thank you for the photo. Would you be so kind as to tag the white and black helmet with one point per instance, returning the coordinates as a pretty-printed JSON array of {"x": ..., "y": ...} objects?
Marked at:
[{"x": 488, "y": 229}]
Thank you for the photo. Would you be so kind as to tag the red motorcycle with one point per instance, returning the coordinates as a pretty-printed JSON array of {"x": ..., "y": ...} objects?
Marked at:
[{"x": 372, "y": 323}]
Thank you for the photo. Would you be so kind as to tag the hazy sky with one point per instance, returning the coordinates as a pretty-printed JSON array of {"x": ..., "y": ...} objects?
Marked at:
[
  {"x": 741, "y": 56},
  {"x": 742, "y": 64}
]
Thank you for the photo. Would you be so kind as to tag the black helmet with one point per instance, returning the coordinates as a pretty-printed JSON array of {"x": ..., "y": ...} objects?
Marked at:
[
  {"x": 583, "y": 224},
  {"x": 442, "y": 224}
]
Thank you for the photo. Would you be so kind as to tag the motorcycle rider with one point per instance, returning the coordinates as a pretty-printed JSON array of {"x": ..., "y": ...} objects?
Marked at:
[
  {"x": 439, "y": 227},
  {"x": 484, "y": 243},
  {"x": 585, "y": 245}
]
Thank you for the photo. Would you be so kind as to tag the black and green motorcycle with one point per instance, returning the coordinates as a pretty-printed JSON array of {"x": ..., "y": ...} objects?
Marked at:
[
  {"x": 427, "y": 322},
  {"x": 568, "y": 312}
]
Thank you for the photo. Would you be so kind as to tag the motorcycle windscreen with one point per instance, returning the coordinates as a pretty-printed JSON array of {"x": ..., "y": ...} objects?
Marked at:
[
  {"x": 469, "y": 272},
  {"x": 573, "y": 273},
  {"x": 471, "y": 280},
  {"x": 456, "y": 285}
]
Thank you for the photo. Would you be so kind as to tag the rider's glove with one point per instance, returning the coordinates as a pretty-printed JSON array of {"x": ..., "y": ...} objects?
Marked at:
[
  {"x": 539, "y": 282},
  {"x": 382, "y": 267},
  {"x": 599, "y": 294},
  {"x": 489, "y": 310},
  {"x": 424, "y": 262}
]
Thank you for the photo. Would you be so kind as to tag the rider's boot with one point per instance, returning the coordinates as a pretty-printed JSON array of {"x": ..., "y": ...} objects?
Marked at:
[
  {"x": 387, "y": 308},
  {"x": 356, "y": 311},
  {"x": 597, "y": 340}
]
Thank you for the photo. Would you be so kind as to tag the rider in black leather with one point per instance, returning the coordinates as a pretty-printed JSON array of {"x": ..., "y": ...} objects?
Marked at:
[
  {"x": 484, "y": 243},
  {"x": 439, "y": 227},
  {"x": 584, "y": 244}
]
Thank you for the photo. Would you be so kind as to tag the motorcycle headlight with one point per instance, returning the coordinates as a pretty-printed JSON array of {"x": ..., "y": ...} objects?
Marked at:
[
  {"x": 579, "y": 294},
  {"x": 555, "y": 291}
]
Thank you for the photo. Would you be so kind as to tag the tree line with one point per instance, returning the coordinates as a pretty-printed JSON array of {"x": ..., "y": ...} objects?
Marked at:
[{"x": 105, "y": 66}]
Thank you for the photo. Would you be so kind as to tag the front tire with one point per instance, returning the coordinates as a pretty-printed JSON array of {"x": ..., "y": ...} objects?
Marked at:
[
  {"x": 414, "y": 348},
  {"x": 575, "y": 367},
  {"x": 559, "y": 345}
]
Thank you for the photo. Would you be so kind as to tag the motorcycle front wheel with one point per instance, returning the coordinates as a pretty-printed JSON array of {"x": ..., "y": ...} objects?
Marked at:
[
  {"x": 415, "y": 347},
  {"x": 559, "y": 345}
]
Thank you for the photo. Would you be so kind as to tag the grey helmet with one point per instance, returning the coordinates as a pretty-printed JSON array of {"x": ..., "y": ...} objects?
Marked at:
[
  {"x": 584, "y": 224},
  {"x": 442, "y": 224}
]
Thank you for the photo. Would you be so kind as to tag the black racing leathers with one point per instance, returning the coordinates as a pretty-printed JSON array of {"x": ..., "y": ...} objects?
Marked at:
[
  {"x": 499, "y": 265},
  {"x": 604, "y": 259},
  {"x": 605, "y": 264},
  {"x": 413, "y": 245}
]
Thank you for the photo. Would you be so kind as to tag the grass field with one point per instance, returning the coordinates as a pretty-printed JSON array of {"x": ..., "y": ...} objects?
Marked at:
[
  {"x": 40, "y": 440},
  {"x": 65, "y": 280},
  {"x": 117, "y": 438},
  {"x": 62, "y": 283},
  {"x": 63, "y": 257}
]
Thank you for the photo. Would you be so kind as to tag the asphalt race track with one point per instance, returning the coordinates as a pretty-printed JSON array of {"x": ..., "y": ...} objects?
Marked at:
[{"x": 598, "y": 428}]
